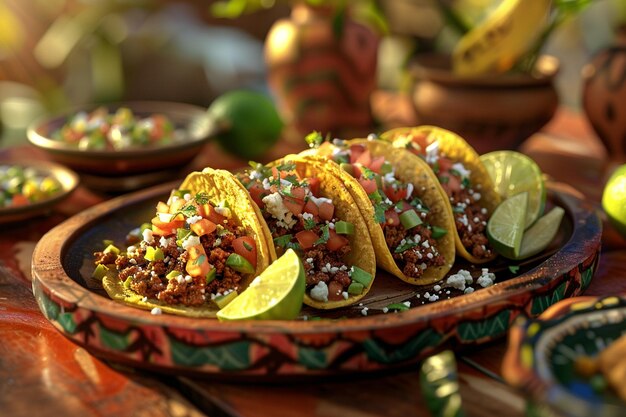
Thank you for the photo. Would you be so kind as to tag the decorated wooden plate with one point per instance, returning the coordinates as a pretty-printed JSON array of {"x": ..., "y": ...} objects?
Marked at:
[
  {"x": 356, "y": 339},
  {"x": 542, "y": 355}
]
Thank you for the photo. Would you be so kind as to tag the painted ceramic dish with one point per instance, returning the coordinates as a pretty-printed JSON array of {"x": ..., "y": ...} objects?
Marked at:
[
  {"x": 33, "y": 189},
  {"x": 353, "y": 339},
  {"x": 189, "y": 122},
  {"x": 542, "y": 355}
]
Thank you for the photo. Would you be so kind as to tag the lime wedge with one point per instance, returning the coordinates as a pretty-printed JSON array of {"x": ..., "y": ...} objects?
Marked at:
[
  {"x": 276, "y": 294},
  {"x": 505, "y": 228},
  {"x": 513, "y": 173},
  {"x": 540, "y": 234}
]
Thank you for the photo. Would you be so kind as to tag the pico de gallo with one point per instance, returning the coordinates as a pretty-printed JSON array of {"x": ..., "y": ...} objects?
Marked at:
[
  {"x": 102, "y": 130},
  {"x": 470, "y": 216},
  {"x": 191, "y": 253},
  {"x": 398, "y": 208},
  {"x": 300, "y": 218},
  {"x": 21, "y": 186}
]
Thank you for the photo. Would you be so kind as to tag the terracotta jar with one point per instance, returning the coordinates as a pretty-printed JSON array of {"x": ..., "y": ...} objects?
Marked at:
[
  {"x": 322, "y": 70},
  {"x": 491, "y": 112},
  {"x": 604, "y": 98}
]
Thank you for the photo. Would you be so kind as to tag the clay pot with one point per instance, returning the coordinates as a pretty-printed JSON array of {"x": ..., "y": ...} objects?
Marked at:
[
  {"x": 322, "y": 75},
  {"x": 604, "y": 98},
  {"x": 491, "y": 112}
]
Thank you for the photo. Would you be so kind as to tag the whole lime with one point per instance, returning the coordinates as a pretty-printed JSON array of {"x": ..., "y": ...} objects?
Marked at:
[
  {"x": 247, "y": 121},
  {"x": 614, "y": 199}
]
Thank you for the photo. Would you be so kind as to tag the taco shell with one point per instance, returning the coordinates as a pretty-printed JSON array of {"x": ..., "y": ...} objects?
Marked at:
[
  {"x": 362, "y": 254},
  {"x": 458, "y": 150},
  {"x": 220, "y": 186},
  {"x": 409, "y": 168}
]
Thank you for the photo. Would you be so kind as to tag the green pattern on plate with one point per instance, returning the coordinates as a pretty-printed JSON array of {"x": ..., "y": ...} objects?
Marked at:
[
  {"x": 493, "y": 327},
  {"x": 409, "y": 349},
  {"x": 113, "y": 340},
  {"x": 541, "y": 303},
  {"x": 312, "y": 358},
  {"x": 233, "y": 356},
  {"x": 66, "y": 320},
  {"x": 50, "y": 308},
  {"x": 585, "y": 277}
]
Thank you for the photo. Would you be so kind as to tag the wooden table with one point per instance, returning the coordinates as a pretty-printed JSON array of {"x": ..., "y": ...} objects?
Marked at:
[{"x": 44, "y": 374}]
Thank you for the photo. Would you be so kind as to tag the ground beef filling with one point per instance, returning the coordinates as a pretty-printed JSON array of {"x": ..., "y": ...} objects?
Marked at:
[
  {"x": 471, "y": 223},
  {"x": 419, "y": 255},
  {"x": 320, "y": 263},
  {"x": 149, "y": 279}
]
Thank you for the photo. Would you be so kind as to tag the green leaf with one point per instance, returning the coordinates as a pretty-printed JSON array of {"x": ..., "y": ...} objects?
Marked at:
[
  {"x": 314, "y": 139},
  {"x": 325, "y": 235},
  {"x": 514, "y": 268}
]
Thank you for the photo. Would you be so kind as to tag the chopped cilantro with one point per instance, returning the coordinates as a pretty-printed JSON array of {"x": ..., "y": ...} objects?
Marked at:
[
  {"x": 288, "y": 166},
  {"x": 368, "y": 174},
  {"x": 283, "y": 241},
  {"x": 341, "y": 158},
  {"x": 379, "y": 213},
  {"x": 247, "y": 246},
  {"x": 201, "y": 198},
  {"x": 514, "y": 269},
  {"x": 325, "y": 235},
  {"x": 455, "y": 172},
  {"x": 375, "y": 197},
  {"x": 187, "y": 211},
  {"x": 435, "y": 167},
  {"x": 443, "y": 180},
  {"x": 419, "y": 205},
  {"x": 465, "y": 182},
  {"x": 309, "y": 224},
  {"x": 458, "y": 209},
  {"x": 406, "y": 246}
]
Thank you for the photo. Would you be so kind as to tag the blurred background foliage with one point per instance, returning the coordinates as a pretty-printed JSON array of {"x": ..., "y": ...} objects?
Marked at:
[{"x": 60, "y": 53}]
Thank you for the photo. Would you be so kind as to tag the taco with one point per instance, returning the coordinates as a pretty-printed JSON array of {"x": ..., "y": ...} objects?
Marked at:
[
  {"x": 308, "y": 209},
  {"x": 202, "y": 247},
  {"x": 399, "y": 198},
  {"x": 468, "y": 189}
]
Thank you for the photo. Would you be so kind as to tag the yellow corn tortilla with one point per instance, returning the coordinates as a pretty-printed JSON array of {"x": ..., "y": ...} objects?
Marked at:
[
  {"x": 409, "y": 168},
  {"x": 220, "y": 186},
  {"x": 362, "y": 253},
  {"x": 458, "y": 150}
]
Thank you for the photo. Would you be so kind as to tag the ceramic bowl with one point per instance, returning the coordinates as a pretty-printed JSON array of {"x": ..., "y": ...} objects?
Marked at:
[
  {"x": 66, "y": 178},
  {"x": 189, "y": 119},
  {"x": 541, "y": 355},
  {"x": 492, "y": 111}
]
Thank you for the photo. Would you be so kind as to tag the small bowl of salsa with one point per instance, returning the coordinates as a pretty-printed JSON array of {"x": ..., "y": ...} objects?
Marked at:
[
  {"x": 123, "y": 139},
  {"x": 31, "y": 188}
]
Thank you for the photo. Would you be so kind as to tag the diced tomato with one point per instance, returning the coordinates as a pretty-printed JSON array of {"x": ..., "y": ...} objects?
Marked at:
[
  {"x": 452, "y": 184},
  {"x": 198, "y": 267},
  {"x": 335, "y": 241},
  {"x": 314, "y": 186},
  {"x": 392, "y": 218},
  {"x": 335, "y": 290},
  {"x": 161, "y": 232},
  {"x": 208, "y": 211},
  {"x": 365, "y": 158},
  {"x": 246, "y": 247},
  {"x": 355, "y": 152},
  {"x": 19, "y": 200},
  {"x": 162, "y": 207},
  {"x": 203, "y": 227},
  {"x": 311, "y": 207},
  {"x": 295, "y": 205},
  {"x": 327, "y": 211},
  {"x": 306, "y": 238},
  {"x": 298, "y": 192},
  {"x": 395, "y": 195},
  {"x": 377, "y": 164},
  {"x": 196, "y": 251},
  {"x": 420, "y": 141},
  {"x": 444, "y": 164},
  {"x": 369, "y": 186},
  {"x": 257, "y": 192},
  {"x": 170, "y": 226},
  {"x": 276, "y": 173},
  {"x": 356, "y": 171}
]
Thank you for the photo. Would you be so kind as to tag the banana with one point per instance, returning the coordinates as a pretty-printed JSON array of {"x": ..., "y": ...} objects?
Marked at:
[{"x": 502, "y": 38}]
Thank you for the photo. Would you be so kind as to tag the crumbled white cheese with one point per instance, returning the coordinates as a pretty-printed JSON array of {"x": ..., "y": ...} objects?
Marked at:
[
  {"x": 191, "y": 241},
  {"x": 486, "y": 279},
  {"x": 163, "y": 242},
  {"x": 319, "y": 292},
  {"x": 155, "y": 311},
  {"x": 147, "y": 236},
  {"x": 319, "y": 200},
  {"x": 459, "y": 280},
  {"x": 460, "y": 168},
  {"x": 274, "y": 205},
  {"x": 194, "y": 219}
]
